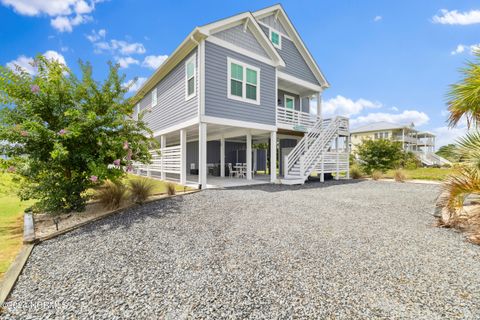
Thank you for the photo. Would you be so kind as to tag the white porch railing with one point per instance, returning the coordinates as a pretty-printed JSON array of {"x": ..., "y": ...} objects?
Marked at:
[
  {"x": 167, "y": 160},
  {"x": 297, "y": 119},
  {"x": 333, "y": 162}
]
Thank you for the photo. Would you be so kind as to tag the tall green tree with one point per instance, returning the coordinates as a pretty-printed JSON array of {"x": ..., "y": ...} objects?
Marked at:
[{"x": 65, "y": 134}]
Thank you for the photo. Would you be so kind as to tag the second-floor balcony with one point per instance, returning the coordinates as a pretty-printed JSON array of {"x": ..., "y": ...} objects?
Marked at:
[{"x": 292, "y": 119}]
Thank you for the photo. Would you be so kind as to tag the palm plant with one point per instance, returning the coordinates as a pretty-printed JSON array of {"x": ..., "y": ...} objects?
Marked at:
[
  {"x": 464, "y": 97},
  {"x": 464, "y": 102}
]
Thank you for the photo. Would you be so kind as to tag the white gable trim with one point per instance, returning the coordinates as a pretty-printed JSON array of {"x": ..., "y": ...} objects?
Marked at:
[
  {"x": 247, "y": 19},
  {"x": 277, "y": 31},
  {"x": 245, "y": 52},
  {"x": 295, "y": 37}
]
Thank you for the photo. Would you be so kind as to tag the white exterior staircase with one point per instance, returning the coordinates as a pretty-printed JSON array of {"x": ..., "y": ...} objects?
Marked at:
[
  {"x": 312, "y": 151},
  {"x": 430, "y": 159}
]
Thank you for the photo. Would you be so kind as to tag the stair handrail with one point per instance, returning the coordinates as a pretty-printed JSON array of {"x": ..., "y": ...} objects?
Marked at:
[
  {"x": 311, "y": 137},
  {"x": 308, "y": 149},
  {"x": 319, "y": 147}
]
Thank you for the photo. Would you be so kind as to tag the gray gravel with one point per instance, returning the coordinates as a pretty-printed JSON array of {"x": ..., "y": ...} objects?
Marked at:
[{"x": 334, "y": 250}]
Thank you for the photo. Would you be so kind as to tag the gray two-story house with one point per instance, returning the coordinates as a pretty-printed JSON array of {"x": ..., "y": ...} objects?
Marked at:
[{"x": 240, "y": 98}]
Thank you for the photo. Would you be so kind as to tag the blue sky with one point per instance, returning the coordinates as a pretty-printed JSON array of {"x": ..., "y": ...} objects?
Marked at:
[{"x": 385, "y": 60}]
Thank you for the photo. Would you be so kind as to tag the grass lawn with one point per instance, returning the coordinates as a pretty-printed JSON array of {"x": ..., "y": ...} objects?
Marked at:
[
  {"x": 437, "y": 174},
  {"x": 11, "y": 222}
]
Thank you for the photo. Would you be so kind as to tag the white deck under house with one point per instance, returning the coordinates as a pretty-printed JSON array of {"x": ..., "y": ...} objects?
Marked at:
[{"x": 202, "y": 155}]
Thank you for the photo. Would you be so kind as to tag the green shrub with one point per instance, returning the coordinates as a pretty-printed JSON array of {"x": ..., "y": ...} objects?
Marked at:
[
  {"x": 377, "y": 174},
  {"x": 171, "y": 189},
  {"x": 355, "y": 172},
  {"x": 379, "y": 155},
  {"x": 399, "y": 175},
  {"x": 410, "y": 161},
  {"x": 65, "y": 134},
  {"x": 111, "y": 194},
  {"x": 140, "y": 189}
]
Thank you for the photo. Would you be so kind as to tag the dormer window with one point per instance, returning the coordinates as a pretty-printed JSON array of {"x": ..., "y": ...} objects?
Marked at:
[{"x": 276, "y": 38}]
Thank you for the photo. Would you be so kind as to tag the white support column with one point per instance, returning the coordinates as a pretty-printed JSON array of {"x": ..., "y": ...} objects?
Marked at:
[
  {"x": 337, "y": 175},
  {"x": 183, "y": 157},
  {"x": 319, "y": 104},
  {"x": 347, "y": 150},
  {"x": 249, "y": 155},
  {"x": 273, "y": 156},
  {"x": 163, "y": 144},
  {"x": 202, "y": 155},
  {"x": 222, "y": 157}
]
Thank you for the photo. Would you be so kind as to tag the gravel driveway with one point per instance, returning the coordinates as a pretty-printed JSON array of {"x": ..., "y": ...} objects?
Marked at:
[{"x": 336, "y": 250}]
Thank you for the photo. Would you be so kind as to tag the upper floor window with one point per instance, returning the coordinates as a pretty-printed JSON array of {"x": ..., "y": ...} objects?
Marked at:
[
  {"x": 276, "y": 38},
  {"x": 243, "y": 82},
  {"x": 190, "y": 75}
]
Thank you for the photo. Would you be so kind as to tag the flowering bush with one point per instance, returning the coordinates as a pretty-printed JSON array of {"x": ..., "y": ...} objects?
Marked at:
[{"x": 65, "y": 134}]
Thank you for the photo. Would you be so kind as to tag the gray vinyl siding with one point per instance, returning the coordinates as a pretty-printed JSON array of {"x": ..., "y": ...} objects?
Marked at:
[
  {"x": 295, "y": 65},
  {"x": 171, "y": 108},
  {"x": 245, "y": 40},
  {"x": 217, "y": 103},
  {"x": 274, "y": 23}
]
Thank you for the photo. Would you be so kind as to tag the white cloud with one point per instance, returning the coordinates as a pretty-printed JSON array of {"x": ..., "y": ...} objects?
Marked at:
[
  {"x": 125, "y": 62},
  {"x": 54, "y": 55},
  {"x": 446, "y": 135},
  {"x": 377, "y": 18},
  {"x": 37, "y": 7},
  {"x": 394, "y": 109},
  {"x": 461, "y": 48},
  {"x": 66, "y": 24},
  {"x": 65, "y": 13},
  {"x": 114, "y": 46},
  {"x": 455, "y": 17},
  {"x": 26, "y": 63},
  {"x": 154, "y": 61},
  {"x": 96, "y": 35},
  {"x": 347, "y": 107},
  {"x": 135, "y": 85},
  {"x": 408, "y": 116}
]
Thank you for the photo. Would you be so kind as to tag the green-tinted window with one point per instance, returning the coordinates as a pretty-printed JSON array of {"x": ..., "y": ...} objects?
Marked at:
[
  {"x": 275, "y": 38},
  {"x": 236, "y": 88},
  {"x": 190, "y": 69},
  {"x": 237, "y": 72},
  {"x": 190, "y": 78},
  {"x": 289, "y": 103},
  {"x": 251, "y": 76},
  {"x": 191, "y": 86},
  {"x": 251, "y": 92}
]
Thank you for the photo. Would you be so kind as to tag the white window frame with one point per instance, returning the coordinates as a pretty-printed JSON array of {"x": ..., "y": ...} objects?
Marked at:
[
  {"x": 285, "y": 101},
  {"x": 154, "y": 98},
  {"x": 244, "y": 65},
  {"x": 193, "y": 60},
  {"x": 279, "y": 45}
]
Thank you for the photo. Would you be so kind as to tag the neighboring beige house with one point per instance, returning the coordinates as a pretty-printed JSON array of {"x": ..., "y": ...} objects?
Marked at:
[{"x": 422, "y": 143}]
